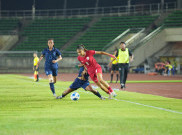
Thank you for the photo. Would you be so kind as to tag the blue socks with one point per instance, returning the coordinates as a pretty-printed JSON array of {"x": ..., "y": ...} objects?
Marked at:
[
  {"x": 52, "y": 87},
  {"x": 97, "y": 94}
]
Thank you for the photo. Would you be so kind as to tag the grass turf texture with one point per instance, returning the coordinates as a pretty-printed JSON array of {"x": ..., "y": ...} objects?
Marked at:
[{"x": 27, "y": 107}]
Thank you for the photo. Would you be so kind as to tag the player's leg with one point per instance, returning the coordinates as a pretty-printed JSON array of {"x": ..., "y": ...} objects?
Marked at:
[
  {"x": 94, "y": 78},
  {"x": 55, "y": 79},
  {"x": 101, "y": 80},
  {"x": 74, "y": 86},
  {"x": 35, "y": 75},
  {"x": 86, "y": 85},
  {"x": 51, "y": 83},
  {"x": 117, "y": 73},
  {"x": 66, "y": 92},
  {"x": 126, "y": 70},
  {"x": 112, "y": 73},
  {"x": 105, "y": 84},
  {"x": 52, "y": 79},
  {"x": 117, "y": 76},
  {"x": 54, "y": 73},
  {"x": 121, "y": 71}
]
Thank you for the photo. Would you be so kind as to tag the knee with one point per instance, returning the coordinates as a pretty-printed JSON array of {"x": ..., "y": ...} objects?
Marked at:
[
  {"x": 51, "y": 80},
  {"x": 101, "y": 80}
]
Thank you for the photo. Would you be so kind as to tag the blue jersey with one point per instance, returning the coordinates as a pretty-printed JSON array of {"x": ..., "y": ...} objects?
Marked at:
[
  {"x": 80, "y": 74},
  {"x": 80, "y": 83},
  {"x": 50, "y": 56}
]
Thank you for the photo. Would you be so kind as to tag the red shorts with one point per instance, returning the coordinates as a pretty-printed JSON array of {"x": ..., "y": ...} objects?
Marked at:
[{"x": 93, "y": 75}]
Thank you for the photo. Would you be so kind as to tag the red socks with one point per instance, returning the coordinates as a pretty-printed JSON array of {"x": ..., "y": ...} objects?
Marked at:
[{"x": 110, "y": 90}]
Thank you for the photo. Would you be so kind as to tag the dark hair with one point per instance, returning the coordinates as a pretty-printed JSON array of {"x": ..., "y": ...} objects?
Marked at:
[
  {"x": 122, "y": 43},
  {"x": 50, "y": 39},
  {"x": 81, "y": 47}
]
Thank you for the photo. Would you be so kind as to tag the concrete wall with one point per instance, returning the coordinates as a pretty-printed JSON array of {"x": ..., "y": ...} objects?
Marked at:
[
  {"x": 156, "y": 43},
  {"x": 173, "y": 34},
  {"x": 7, "y": 41},
  {"x": 25, "y": 64}
]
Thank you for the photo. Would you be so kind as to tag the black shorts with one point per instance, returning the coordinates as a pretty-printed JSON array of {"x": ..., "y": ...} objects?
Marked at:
[
  {"x": 114, "y": 67},
  {"x": 36, "y": 69}
]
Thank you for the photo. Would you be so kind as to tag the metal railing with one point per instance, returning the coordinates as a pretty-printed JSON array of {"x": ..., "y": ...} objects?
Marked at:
[
  {"x": 147, "y": 38},
  {"x": 116, "y": 39},
  {"x": 135, "y": 39},
  {"x": 118, "y": 10}
]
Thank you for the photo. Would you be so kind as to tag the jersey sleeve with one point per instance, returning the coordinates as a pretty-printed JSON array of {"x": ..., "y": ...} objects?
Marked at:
[
  {"x": 58, "y": 53},
  {"x": 91, "y": 52}
]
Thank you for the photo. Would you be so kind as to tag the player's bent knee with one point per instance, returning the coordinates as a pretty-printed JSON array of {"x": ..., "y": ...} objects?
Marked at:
[{"x": 51, "y": 80}]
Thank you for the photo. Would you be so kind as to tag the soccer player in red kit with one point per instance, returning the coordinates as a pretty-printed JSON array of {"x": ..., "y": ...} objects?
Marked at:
[{"x": 93, "y": 68}]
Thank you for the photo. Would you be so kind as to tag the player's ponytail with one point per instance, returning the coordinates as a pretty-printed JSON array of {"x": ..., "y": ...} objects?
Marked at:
[{"x": 82, "y": 47}]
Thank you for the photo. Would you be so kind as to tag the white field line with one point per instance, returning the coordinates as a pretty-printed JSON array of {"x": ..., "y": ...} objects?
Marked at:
[{"x": 159, "y": 108}]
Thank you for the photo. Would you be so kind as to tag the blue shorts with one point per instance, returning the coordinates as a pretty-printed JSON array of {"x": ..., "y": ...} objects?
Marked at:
[
  {"x": 79, "y": 84},
  {"x": 53, "y": 71}
]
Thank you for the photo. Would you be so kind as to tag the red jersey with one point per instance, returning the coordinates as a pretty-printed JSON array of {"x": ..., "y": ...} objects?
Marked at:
[{"x": 89, "y": 61}]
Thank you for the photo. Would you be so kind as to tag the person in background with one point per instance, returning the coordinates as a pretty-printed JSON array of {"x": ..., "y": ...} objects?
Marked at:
[
  {"x": 168, "y": 68},
  {"x": 160, "y": 67},
  {"x": 52, "y": 56},
  {"x": 125, "y": 56},
  {"x": 114, "y": 67},
  {"x": 36, "y": 70}
]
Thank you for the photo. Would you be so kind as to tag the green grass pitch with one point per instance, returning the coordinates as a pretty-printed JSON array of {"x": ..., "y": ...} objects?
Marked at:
[{"x": 28, "y": 108}]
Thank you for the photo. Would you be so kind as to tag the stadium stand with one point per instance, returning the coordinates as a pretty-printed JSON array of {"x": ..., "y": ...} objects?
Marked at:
[
  {"x": 174, "y": 19},
  {"x": 108, "y": 28},
  {"x": 62, "y": 30},
  {"x": 40, "y": 30},
  {"x": 7, "y": 25}
]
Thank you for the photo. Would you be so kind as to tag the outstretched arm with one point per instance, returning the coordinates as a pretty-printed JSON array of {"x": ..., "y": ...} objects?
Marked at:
[{"x": 104, "y": 53}]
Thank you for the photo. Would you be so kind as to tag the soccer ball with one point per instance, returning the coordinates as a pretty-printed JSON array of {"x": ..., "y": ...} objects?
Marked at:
[{"x": 75, "y": 96}]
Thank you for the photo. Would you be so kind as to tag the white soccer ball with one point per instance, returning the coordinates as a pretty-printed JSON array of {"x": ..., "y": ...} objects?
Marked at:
[{"x": 75, "y": 96}]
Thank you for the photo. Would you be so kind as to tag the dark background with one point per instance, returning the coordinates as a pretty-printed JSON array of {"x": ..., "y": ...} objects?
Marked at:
[{"x": 59, "y": 4}]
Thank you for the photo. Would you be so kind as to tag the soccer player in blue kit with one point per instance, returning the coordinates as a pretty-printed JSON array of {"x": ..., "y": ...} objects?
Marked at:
[
  {"x": 52, "y": 56},
  {"x": 81, "y": 82}
]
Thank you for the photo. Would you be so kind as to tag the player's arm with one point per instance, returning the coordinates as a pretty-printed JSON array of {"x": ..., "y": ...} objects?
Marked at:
[
  {"x": 41, "y": 57},
  {"x": 58, "y": 59},
  {"x": 110, "y": 63},
  {"x": 104, "y": 53}
]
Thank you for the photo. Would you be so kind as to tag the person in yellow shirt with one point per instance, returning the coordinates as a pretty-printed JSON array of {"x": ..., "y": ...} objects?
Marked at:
[
  {"x": 168, "y": 68},
  {"x": 125, "y": 56},
  {"x": 36, "y": 73},
  {"x": 114, "y": 67}
]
